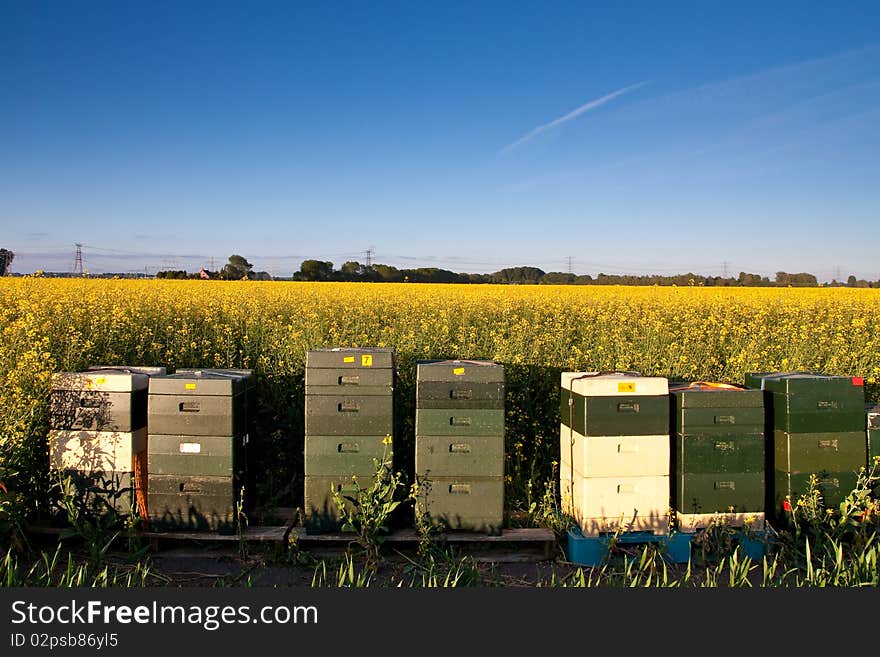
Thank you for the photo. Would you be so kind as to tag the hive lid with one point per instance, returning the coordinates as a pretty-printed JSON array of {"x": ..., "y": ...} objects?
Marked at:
[
  {"x": 351, "y": 357},
  {"x": 703, "y": 394},
  {"x": 614, "y": 384},
  {"x": 247, "y": 375},
  {"x": 110, "y": 380},
  {"x": 476, "y": 371},
  {"x": 201, "y": 382},
  {"x": 149, "y": 370}
]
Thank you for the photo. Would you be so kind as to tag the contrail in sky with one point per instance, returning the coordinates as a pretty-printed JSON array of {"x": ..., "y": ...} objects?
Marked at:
[{"x": 593, "y": 104}]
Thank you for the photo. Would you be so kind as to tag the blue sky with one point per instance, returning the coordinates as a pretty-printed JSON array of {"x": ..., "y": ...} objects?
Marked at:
[{"x": 643, "y": 138}]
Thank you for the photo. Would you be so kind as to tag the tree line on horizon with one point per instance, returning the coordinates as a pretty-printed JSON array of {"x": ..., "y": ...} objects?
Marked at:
[{"x": 238, "y": 268}]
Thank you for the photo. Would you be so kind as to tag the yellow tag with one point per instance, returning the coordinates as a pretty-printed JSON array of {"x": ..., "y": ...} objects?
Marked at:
[
  {"x": 626, "y": 387},
  {"x": 366, "y": 360},
  {"x": 189, "y": 386},
  {"x": 348, "y": 359},
  {"x": 101, "y": 381},
  {"x": 458, "y": 371}
]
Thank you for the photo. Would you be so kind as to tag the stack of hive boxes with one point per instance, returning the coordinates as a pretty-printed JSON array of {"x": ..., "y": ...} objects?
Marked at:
[
  {"x": 817, "y": 427},
  {"x": 718, "y": 456},
  {"x": 615, "y": 451},
  {"x": 197, "y": 450},
  {"x": 459, "y": 459},
  {"x": 349, "y": 411},
  {"x": 99, "y": 431}
]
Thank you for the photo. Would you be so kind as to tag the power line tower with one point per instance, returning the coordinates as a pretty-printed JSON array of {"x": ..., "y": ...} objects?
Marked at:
[
  {"x": 78, "y": 260},
  {"x": 369, "y": 253},
  {"x": 568, "y": 260},
  {"x": 724, "y": 266}
]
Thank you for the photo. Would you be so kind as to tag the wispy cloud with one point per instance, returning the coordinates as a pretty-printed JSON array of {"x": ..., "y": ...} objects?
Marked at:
[{"x": 583, "y": 109}]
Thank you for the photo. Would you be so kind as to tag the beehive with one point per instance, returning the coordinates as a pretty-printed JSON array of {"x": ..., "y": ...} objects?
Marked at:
[
  {"x": 459, "y": 454},
  {"x": 816, "y": 426},
  {"x": 98, "y": 432},
  {"x": 718, "y": 455},
  {"x": 199, "y": 423},
  {"x": 349, "y": 414},
  {"x": 615, "y": 451}
]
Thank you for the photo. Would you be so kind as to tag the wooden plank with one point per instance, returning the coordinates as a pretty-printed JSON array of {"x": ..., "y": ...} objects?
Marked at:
[
  {"x": 518, "y": 535},
  {"x": 255, "y": 534}
]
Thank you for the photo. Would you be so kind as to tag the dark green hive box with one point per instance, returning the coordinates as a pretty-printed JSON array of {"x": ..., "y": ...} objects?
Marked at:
[
  {"x": 808, "y": 403},
  {"x": 214, "y": 456},
  {"x": 720, "y": 492},
  {"x": 343, "y": 381},
  {"x": 835, "y": 458},
  {"x": 459, "y": 384},
  {"x": 636, "y": 415},
  {"x": 192, "y": 502},
  {"x": 834, "y": 486}
]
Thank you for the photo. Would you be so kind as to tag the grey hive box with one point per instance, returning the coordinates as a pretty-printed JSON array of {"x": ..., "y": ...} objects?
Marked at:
[
  {"x": 99, "y": 400},
  {"x": 197, "y": 403},
  {"x": 459, "y": 457}
]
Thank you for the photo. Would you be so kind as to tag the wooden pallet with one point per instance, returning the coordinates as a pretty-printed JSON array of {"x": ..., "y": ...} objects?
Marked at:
[{"x": 510, "y": 546}]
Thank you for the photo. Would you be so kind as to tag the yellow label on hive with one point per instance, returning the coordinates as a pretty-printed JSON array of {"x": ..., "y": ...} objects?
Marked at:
[
  {"x": 626, "y": 387},
  {"x": 458, "y": 371},
  {"x": 348, "y": 359},
  {"x": 100, "y": 380},
  {"x": 189, "y": 386},
  {"x": 367, "y": 360}
]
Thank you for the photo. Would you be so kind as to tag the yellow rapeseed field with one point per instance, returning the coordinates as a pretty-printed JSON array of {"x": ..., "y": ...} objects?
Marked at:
[{"x": 685, "y": 333}]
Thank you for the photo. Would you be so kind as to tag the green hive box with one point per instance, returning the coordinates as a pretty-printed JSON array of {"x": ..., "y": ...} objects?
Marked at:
[
  {"x": 320, "y": 508},
  {"x": 192, "y": 502},
  {"x": 459, "y": 422},
  {"x": 215, "y": 456},
  {"x": 197, "y": 403},
  {"x": 465, "y": 456},
  {"x": 469, "y": 503},
  {"x": 99, "y": 400},
  {"x": 332, "y": 456},
  {"x": 348, "y": 415}
]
